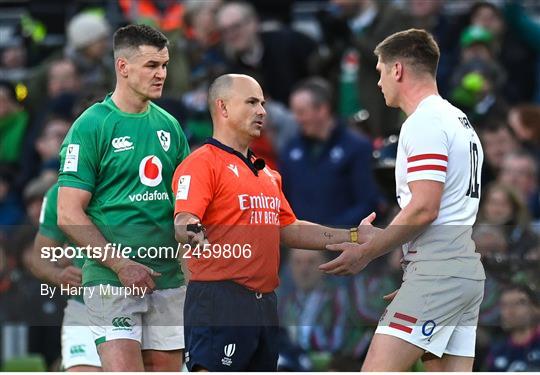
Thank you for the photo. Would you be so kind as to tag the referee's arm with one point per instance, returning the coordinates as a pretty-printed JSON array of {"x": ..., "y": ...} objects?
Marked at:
[{"x": 307, "y": 235}]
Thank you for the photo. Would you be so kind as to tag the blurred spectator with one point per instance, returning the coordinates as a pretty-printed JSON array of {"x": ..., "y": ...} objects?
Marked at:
[
  {"x": 313, "y": 311},
  {"x": 62, "y": 77},
  {"x": 33, "y": 197},
  {"x": 330, "y": 156},
  {"x": 48, "y": 144},
  {"x": 165, "y": 15},
  {"x": 502, "y": 206},
  {"x": 88, "y": 47},
  {"x": 370, "y": 22},
  {"x": 527, "y": 27},
  {"x": 11, "y": 207},
  {"x": 520, "y": 170},
  {"x": 430, "y": 15},
  {"x": 524, "y": 119},
  {"x": 477, "y": 81},
  {"x": 205, "y": 62},
  {"x": 278, "y": 58},
  {"x": 13, "y": 62},
  {"x": 497, "y": 141},
  {"x": 13, "y": 123},
  {"x": 509, "y": 50},
  {"x": 519, "y": 350},
  {"x": 365, "y": 292}
]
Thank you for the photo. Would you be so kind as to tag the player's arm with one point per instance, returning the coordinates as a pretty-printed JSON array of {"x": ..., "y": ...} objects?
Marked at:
[
  {"x": 74, "y": 222},
  {"x": 421, "y": 211},
  {"x": 52, "y": 272}
]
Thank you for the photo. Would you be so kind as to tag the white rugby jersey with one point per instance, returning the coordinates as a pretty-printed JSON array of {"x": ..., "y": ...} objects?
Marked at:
[{"x": 438, "y": 143}]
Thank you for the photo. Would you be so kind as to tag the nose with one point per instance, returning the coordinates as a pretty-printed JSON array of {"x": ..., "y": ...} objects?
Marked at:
[
  {"x": 261, "y": 111},
  {"x": 161, "y": 72}
]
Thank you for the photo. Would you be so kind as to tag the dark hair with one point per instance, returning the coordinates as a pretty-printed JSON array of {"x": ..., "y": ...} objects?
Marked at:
[
  {"x": 134, "y": 36},
  {"x": 482, "y": 4},
  {"x": 10, "y": 88},
  {"x": 414, "y": 45},
  {"x": 494, "y": 125},
  {"x": 319, "y": 88},
  {"x": 523, "y": 288}
]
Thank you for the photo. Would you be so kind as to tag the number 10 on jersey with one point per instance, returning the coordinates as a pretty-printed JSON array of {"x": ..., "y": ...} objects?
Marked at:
[{"x": 474, "y": 187}]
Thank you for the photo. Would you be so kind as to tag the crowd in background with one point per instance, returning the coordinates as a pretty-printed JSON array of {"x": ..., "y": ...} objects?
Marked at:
[{"x": 327, "y": 131}]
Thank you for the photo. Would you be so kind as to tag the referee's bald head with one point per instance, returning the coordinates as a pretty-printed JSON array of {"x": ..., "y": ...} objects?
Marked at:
[{"x": 222, "y": 87}]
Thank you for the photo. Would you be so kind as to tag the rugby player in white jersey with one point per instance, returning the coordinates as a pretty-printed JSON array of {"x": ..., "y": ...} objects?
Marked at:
[{"x": 434, "y": 314}]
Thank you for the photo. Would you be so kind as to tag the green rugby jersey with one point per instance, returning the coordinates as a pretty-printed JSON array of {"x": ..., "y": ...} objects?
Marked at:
[
  {"x": 127, "y": 162},
  {"x": 48, "y": 226}
]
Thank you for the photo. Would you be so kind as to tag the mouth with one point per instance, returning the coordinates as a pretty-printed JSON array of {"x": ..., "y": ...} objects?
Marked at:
[
  {"x": 157, "y": 85},
  {"x": 259, "y": 123}
]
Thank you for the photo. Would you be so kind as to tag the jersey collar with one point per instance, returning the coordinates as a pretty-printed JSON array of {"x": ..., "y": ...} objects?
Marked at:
[{"x": 248, "y": 161}]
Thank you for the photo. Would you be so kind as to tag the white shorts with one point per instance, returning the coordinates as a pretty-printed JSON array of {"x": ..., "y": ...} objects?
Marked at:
[
  {"x": 78, "y": 347},
  {"x": 436, "y": 313},
  {"x": 156, "y": 321}
]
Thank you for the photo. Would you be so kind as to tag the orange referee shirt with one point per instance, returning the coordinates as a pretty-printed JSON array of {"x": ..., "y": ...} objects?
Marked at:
[{"x": 241, "y": 208}]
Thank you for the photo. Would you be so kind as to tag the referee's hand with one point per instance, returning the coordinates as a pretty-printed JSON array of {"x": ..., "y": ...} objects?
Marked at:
[{"x": 133, "y": 274}]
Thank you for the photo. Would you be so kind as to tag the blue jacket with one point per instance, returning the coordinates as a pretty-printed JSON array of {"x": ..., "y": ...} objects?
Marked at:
[{"x": 330, "y": 182}]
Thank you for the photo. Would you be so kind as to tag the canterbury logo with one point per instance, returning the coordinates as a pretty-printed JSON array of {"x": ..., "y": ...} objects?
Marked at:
[
  {"x": 229, "y": 350},
  {"x": 122, "y": 144},
  {"x": 121, "y": 322}
]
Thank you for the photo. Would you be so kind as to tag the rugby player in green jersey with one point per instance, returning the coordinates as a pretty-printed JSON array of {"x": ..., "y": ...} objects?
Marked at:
[
  {"x": 78, "y": 348},
  {"x": 117, "y": 163}
]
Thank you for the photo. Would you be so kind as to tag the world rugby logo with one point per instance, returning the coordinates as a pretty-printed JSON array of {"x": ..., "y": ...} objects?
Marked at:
[{"x": 150, "y": 171}]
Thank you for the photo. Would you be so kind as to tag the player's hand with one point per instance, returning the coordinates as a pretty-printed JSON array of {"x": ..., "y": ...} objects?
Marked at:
[
  {"x": 366, "y": 231},
  {"x": 131, "y": 273},
  {"x": 71, "y": 276},
  {"x": 390, "y": 297},
  {"x": 352, "y": 260}
]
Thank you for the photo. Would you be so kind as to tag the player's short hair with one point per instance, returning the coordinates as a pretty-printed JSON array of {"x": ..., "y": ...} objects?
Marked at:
[
  {"x": 219, "y": 89},
  {"x": 319, "y": 89},
  {"x": 417, "y": 47},
  {"x": 131, "y": 37}
]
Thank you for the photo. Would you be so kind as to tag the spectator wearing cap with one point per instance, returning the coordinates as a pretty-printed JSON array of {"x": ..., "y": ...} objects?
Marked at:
[
  {"x": 13, "y": 123},
  {"x": 477, "y": 81},
  {"x": 514, "y": 55}
]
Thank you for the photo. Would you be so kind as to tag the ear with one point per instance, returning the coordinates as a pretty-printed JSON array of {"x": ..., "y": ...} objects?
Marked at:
[
  {"x": 398, "y": 71},
  {"x": 122, "y": 67},
  {"x": 221, "y": 108}
]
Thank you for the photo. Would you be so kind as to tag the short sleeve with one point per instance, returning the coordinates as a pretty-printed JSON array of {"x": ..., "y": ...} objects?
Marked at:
[
  {"x": 426, "y": 148},
  {"x": 193, "y": 185},
  {"x": 48, "y": 226},
  {"x": 79, "y": 158}
]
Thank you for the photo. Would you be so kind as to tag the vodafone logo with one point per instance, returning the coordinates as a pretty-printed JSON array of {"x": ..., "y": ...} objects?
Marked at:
[{"x": 150, "y": 171}]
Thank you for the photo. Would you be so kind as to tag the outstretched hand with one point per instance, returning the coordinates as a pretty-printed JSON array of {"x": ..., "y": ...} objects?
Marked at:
[
  {"x": 352, "y": 260},
  {"x": 366, "y": 230}
]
